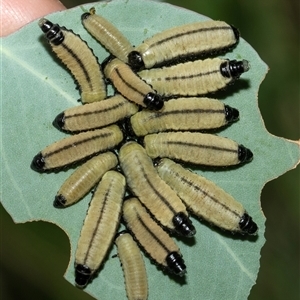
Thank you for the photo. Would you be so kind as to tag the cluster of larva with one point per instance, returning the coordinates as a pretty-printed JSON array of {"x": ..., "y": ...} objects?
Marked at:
[{"x": 156, "y": 114}]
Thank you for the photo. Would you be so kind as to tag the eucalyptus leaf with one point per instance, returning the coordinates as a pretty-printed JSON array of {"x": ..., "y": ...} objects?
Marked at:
[{"x": 36, "y": 87}]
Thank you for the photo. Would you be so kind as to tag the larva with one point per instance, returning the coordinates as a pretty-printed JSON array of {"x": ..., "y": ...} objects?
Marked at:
[
  {"x": 100, "y": 226},
  {"x": 95, "y": 115},
  {"x": 195, "y": 78},
  {"x": 133, "y": 267},
  {"x": 77, "y": 147},
  {"x": 205, "y": 199},
  {"x": 184, "y": 42},
  {"x": 152, "y": 238},
  {"x": 184, "y": 114},
  {"x": 107, "y": 34},
  {"x": 196, "y": 148},
  {"x": 131, "y": 86},
  {"x": 153, "y": 192},
  {"x": 78, "y": 58},
  {"x": 84, "y": 178}
]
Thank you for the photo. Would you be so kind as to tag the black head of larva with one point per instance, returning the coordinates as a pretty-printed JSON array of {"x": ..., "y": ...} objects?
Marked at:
[
  {"x": 135, "y": 61},
  {"x": 106, "y": 61},
  {"x": 82, "y": 275},
  {"x": 176, "y": 263},
  {"x": 183, "y": 225},
  {"x": 121, "y": 233},
  {"x": 244, "y": 154},
  {"x": 38, "y": 162},
  {"x": 59, "y": 201},
  {"x": 85, "y": 15},
  {"x": 52, "y": 31},
  {"x": 234, "y": 68},
  {"x": 247, "y": 225},
  {"x": 153, "y": 101},
  {"x": 59, "y": 121},
  {"x": 231, "y": 114}
]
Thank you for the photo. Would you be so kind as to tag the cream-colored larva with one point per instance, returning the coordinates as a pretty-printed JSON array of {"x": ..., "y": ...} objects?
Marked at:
[
  {"x": 184, "y": 42},
  {"x": 152, "y": 238},
  {"x": 153, "y": 192},
  {"x": 195, "y": 78},
  {"x": 205, "y": 199},
  {"x": 131, "y": 86},
  {"x": 184, "y": 114},
  {"x": 107, "y": 34},
  {"x": 78, "y": 58},
  {"x": 77, "y": 147},
  {"x": 196, "y": 148},
  {"x": 84, "y": 178},
  {"x": 95, "y": 115},
  {"x": 133, "y": 266},
  {"x": 100, "y": 226}
]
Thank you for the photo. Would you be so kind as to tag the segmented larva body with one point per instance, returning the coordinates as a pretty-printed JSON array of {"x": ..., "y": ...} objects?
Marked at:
[
  {"x": 131, "y": 86},
  {"x": 78, "y": 58},
  {"x": 95, "y": 115},
  {"x": 205, "y": 199},
  {"x": 84, "y": 178},
  {"x": 184, "y": 42},
  {"x": 195, "y": 78},
  {"x": 133, "y": 267},
  {"x": 152, "y": 238},
  {"x": 100, "y": 226},
  {"x": 184, "y": 114},
  {"x": 196, "y": 148},
  {"x": 107, "y": 34},
  {"x": 77, "y": 147},
  {"x": 153, "y": 192}
]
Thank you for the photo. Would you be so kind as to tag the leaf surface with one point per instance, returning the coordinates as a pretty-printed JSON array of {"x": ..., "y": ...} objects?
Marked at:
[{"x": 36, "y": 87}]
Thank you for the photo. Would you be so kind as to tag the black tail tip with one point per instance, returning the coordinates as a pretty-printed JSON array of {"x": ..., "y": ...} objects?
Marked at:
[
  {"x": 247, "y": 225},
  {"x": 231, "y": 114},
  {"x": 59, "y": 121},
  {"x": 233, "y": 68},
  {"x": 82, "y": 276},
  {"x": 45, "y": 25},
  {"x": 176, "y": 264},
  {"x": 183, "y": 225},
  {"x": 38, "y": 163},
  {"x": 59, "y": 201},
  {"x": 153, "y": 101},
  {"x": 244, "y": 154}
]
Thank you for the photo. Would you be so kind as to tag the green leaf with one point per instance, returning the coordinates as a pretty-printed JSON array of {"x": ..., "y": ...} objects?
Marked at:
[{"x": 36, "y": 88}]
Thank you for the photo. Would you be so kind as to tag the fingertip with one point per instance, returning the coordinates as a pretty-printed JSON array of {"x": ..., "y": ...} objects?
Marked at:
[{"x": 16, "y": 14}]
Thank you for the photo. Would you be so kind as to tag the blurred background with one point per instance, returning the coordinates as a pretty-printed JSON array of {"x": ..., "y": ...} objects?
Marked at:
[{"x": 34, "y": 269}]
